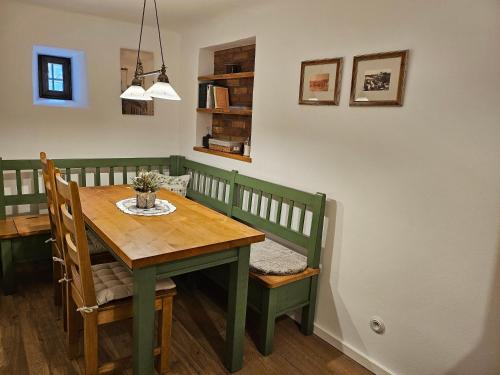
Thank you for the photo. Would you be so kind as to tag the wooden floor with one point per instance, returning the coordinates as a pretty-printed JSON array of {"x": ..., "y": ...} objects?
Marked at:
[{"x": 32, "y": 339}]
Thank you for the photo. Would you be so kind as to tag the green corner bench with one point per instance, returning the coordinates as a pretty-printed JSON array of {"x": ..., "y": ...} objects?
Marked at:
[
  {"x": 294, "y": 216},
  {"x": 279, "y": 211}
]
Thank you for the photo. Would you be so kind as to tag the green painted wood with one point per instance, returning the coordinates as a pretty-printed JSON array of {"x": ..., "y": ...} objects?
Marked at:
[
  {"x": 8, "y": 281},
  {"x": 36, "y": 184},
  {"x": 259, "y": 202},
  {"x": 144, "y": 320},
  {"x": 207, "y": 201},
  {"x": 68, "y": 174},
  {"x": 303, "y": 209},
  {"x": 278, "y": 212},
  {"x": 290, "y": 214},
  {"x": 267, "y": 320},
  {"x": 233, "y": 197},
  {"x": 2, "y": 192},
  {"x": 250, "y": 200},
  {"x": 124, "y": 176},
  {"x": 197, "y": 263},
  {"x": 308, "y": 312},
  {"x": 14, "y": 200},
  {"x": 111, "y": 175},
  {"x": 275, "y": 189},
  {"x": 97, "y": 176},
  {"x": 313, "y": 257},
  {"x": 19, "y": 182},
  {"x": 268, "y": 209},
  {"x": 236, "y": 310},
  {"x": 83, "y": 177}
]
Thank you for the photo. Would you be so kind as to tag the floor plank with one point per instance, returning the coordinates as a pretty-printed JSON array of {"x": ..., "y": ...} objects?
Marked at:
[{"x": 32, "y": 340}]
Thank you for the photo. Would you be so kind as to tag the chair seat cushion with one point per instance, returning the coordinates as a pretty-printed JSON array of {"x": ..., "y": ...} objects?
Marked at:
[
  {"x": 112, "y": 282},
  {"x": 177, "y": 184},
  {"x": 96, "y": 246},
  {"x": 272, "y": 258}
]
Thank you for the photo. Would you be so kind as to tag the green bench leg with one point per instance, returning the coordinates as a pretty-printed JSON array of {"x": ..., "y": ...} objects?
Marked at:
[
  {"x": 236, "y": 310},
  {"x": 8, "y": 280},
  {"x": 307, "y": 323},
  {"x": 268, "y": 320}
]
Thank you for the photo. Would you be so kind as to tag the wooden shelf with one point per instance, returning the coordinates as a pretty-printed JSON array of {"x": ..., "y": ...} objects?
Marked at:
[
  {"x": 223, "y": 154},
  {"x": 230, "y": 111},
  {"x": 216, "y": 77}
]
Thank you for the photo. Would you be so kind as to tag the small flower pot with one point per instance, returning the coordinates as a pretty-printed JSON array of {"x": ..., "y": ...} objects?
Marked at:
[{"x": 146, "y": 200}]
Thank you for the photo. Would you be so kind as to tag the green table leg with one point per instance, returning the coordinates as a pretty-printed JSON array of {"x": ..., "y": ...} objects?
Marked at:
[
  {"x": 144, "y": 320},
  {"x": 268, "y": 320},
  {"x": 8, "y": 282},
  {"x": 237, "y": 308}
]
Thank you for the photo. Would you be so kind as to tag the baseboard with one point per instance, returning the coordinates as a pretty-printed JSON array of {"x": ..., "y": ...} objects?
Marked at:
[{"x": 348, "y": 350}]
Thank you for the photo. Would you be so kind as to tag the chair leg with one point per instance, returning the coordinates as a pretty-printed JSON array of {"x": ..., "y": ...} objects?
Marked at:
[
  {"x": 165, "y": 325},
  {"x": 268, "y": 321},
  {"x": 74, "y": 322},
  {"x": 307, "y": 321},
  {"x": 8, "y": 282},
  {"x": 64, "y": 299},
  {"x": 57, "y": 274},
  {"x": 91, "y": 343}
]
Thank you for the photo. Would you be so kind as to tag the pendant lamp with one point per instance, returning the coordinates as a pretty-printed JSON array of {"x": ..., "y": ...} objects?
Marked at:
[{"x": 162, "y": 88}]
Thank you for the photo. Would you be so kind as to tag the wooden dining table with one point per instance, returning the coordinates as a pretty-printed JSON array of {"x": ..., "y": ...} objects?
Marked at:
[{"x": 191, "y": 238}]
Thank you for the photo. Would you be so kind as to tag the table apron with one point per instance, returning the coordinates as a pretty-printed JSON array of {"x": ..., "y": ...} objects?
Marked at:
[{"x": 182, "y": 266}]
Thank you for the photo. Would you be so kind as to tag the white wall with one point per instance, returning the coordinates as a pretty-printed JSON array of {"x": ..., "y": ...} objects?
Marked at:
[
  {"x": 99, "y": 130},
  {"x": 416, "y": 234}
]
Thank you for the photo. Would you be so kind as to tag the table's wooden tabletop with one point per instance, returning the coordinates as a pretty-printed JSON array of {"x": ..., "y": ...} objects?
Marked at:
[{"x": 140, "y": 241}]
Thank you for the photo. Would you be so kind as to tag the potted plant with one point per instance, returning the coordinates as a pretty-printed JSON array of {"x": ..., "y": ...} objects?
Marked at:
[{"x": 146, "y": 184}]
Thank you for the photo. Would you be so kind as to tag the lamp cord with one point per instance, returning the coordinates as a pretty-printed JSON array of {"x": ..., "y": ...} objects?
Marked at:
[
  {"x": 140, "y": 39},
  {"x": 159, "y": 34}
]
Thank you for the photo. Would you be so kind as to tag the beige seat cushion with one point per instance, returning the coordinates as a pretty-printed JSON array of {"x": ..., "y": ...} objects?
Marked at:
[
  {"x": 112, "y": 282},
  {"x": 272, "y": 258},
  {"x": 96, "y": 246}
]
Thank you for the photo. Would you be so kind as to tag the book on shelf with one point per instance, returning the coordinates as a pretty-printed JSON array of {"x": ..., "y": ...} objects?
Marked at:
[
  {"x": 202, "y": 94},
  {"x": 221, "y": 97}
]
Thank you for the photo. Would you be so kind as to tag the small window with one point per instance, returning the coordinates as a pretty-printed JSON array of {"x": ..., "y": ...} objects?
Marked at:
[{"x": 54, "y": 77}]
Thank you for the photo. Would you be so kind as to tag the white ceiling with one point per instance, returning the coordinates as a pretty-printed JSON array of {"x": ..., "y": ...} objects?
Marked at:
[{"x": 173, "y": 13}]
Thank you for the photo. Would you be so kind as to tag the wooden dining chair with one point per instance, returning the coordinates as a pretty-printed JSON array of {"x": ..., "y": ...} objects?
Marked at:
[
  {"x": 102, "y": 293},
  {"x": 58, "y": 269}
]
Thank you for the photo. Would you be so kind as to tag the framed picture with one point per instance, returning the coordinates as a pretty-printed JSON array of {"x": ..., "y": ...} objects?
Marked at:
[
  {"x": 379, "y": 79},
  {"x": 320, "y": 82}
]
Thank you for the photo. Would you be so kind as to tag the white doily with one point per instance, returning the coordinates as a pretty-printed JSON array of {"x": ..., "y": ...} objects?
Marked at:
[{"x": 162, "y": 207}]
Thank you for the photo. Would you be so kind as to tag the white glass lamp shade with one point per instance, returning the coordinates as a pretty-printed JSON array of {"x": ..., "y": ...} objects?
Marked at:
[
  {"x": 135, "y": 92},
  {"x": 163, "y": 90}
]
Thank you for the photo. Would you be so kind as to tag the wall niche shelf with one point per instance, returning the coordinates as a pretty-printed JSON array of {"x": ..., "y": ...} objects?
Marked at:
[
  {"x": 230, "y": 111},
  {"x": 223, "y": 154},
  {"x": 234, "y": 122},
  {"x": 218, "y": 77}
]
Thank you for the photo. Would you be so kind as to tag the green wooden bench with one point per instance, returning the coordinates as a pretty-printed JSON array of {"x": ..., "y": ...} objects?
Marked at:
[
  {"x": 23, "y": 233},
  {"x": 260, "y": 203}
]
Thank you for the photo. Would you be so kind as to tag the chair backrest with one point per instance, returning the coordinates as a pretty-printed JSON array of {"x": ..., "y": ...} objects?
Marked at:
[
  {"x": 288, "y": 213},
  {"x": 49, "y": 183},
  {"x": 75, "y": 243}
]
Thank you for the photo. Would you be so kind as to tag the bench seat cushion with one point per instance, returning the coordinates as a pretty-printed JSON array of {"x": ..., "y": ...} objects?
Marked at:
[
  {"x": 112, "y": 282},
  {"x": 272, "y": 258}
]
